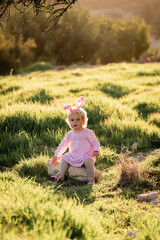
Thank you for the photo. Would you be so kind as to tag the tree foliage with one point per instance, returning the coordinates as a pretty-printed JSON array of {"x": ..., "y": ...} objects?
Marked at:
[
  {"x": 54, "y": 8},
  {"x": 77, "y": 37}
]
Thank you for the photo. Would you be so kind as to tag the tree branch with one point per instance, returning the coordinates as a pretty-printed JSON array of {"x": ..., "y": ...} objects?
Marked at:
[{"x": 54, "y": 8}]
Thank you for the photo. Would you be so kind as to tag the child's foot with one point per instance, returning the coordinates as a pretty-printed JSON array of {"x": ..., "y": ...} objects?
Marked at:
[
  {"x": 58, "y": 177},
  {"x": 91, "y": 181}
]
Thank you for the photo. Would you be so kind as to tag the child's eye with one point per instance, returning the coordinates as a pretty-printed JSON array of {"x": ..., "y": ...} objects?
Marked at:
[
  {"x": 72, "y": 120},
  {"x": 78, "y": 119}
]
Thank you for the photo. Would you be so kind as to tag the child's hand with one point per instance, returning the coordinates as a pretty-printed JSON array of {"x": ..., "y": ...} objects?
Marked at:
[
  {"x": 95, "y": 154},
  {"x": 55, "y": 160}
]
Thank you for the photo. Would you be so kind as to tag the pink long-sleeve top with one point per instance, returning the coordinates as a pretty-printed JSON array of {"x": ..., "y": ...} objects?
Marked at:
[{"x": 81, "y": 146}]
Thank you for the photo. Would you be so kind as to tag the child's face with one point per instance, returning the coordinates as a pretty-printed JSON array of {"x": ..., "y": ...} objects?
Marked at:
[{"x": 76, "y": 122}]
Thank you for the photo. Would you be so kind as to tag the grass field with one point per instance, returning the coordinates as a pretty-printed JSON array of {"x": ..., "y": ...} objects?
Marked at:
[{"x": 123, "y": 106}]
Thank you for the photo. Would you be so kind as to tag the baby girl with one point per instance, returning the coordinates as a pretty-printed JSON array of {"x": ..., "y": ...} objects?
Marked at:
[{"x": 82, "y": 142}]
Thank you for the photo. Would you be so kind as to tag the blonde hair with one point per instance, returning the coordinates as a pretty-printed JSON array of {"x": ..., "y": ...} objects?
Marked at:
[{"x": 80, "y": 113}]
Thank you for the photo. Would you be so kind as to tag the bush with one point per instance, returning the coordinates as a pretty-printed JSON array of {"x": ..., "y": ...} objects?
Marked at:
[
  {"x": 122, "y": 40},
  {"x": 15, "y": 53},
  {"x": 7, "y": 56},
  {"x": 38, "y": 66}
]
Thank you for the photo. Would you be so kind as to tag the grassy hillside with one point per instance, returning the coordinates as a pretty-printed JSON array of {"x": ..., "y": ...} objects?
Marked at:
[{"x": 123, "y": 106}]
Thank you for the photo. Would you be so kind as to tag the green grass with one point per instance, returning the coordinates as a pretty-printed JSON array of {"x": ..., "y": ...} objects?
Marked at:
[{"x": 122, "y": 102}]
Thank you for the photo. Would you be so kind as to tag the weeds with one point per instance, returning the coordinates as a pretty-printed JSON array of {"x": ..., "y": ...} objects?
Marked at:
[{"x": 129, "y": 170}]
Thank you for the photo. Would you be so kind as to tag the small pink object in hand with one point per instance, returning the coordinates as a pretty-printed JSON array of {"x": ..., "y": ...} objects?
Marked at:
[
  {"x": 95, "y": 154},
  {"x": 55, "y": 160}
]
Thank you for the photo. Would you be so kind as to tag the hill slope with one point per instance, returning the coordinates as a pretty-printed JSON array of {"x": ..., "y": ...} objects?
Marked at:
[{"x": 122, "y": 102}]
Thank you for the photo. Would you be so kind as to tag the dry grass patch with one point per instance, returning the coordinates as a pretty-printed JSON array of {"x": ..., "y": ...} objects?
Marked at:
[
  {"x": 129, "y": 169},
  {"x": 132, "y": 171}
]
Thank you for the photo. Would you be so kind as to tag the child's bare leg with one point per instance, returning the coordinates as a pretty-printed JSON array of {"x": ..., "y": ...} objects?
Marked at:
[
  {"x": 62, "y": 170},
  {"x": 89, "y": 164},
  {"x": 63, "y": 167}
]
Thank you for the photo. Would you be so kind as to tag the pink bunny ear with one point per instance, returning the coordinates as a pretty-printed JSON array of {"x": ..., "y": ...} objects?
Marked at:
[
  {"x": 80, "y": 102},
  {"x": 69, "y": 107}
]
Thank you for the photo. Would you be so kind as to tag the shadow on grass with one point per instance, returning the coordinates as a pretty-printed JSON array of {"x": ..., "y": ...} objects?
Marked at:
[
  {"x": 134, "y": 189},
  {"x": 23, "y": 135},
  {"x": 115, "y": 91},
  {"x": 30, "y": 124},
  {"x": 144, "y": 109},
  {"x": 82, "y": 192},
  {"x": 41, "y": 97},
  {"x": 37, "y": 169},
  {"x": 148, "y": 74},
  {"x": 115, "y": 135},
  {"x": 156, "y": 83},
  {"x": 32, "y": 167},
  {"x": 77, "y": 90},
  {"x": 9, "y": 90},
  {"x": 15, "y": 147},
  {"x": 98, "y": 116}
]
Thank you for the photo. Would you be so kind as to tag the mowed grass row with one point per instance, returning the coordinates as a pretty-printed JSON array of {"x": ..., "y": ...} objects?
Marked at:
[{"x": 122, "y": 102}]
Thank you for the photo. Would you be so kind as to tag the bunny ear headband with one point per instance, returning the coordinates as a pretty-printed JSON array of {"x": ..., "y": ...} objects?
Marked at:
[{"x": 79, "y": 103}]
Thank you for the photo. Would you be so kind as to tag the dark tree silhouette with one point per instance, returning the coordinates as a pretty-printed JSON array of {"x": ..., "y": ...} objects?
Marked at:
[{"x": 54, "y": 8}]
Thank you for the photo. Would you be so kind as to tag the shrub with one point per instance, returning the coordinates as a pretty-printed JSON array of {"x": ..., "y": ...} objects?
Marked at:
[
  {"x": 78, "y": 37},
  {"x": 15, "y": 53},
  {"x": 7, "y": 56},
  {"x": 38, "y": 66},
  {"x": 122, "y": 40}
]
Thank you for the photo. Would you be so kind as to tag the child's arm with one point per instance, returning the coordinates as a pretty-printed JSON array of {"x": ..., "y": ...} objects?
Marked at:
[
  {"x": 60, "y": 150},
  {"x": 94, "y": 143}
]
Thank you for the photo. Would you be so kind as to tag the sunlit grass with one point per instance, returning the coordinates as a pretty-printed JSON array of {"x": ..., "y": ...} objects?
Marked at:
[
  {"x": 36, "y": 212},
  {"x": 122, "y": 102}
]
